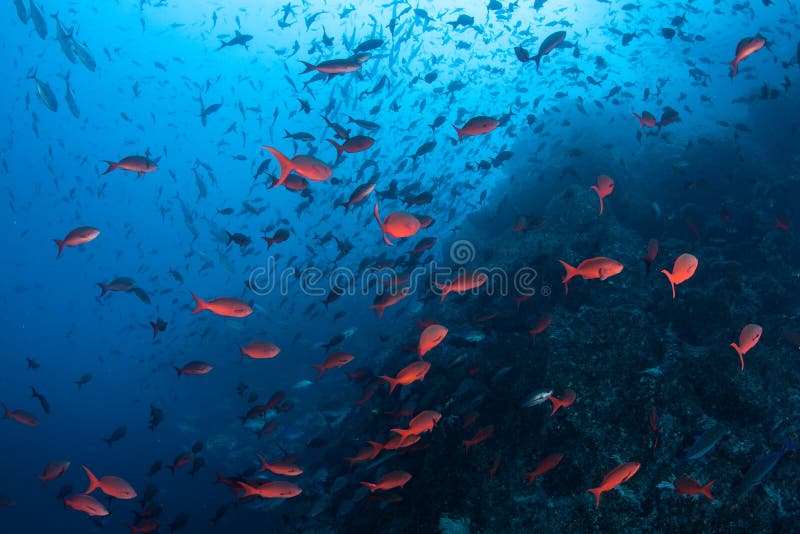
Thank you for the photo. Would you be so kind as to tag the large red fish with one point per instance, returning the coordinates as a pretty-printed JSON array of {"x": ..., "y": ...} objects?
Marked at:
[
  {"x": 430, "y": 337},
  {"x": 476, "y": 126},
  {"x": 78, "y": 236},
  {"x": 260, "y": 350},
  {"x": 391, "y": 480},
  {"x": 548, "y": 463},
  {"x": 306, "y": 166},
  {"x": 53, "y": 470},
  {"x": 20, "y": 416},
  {"x": 111, "y": 486},
  {"x": 334, "y": 360},
  {"x": 87, "y": 504},
  {"x": 356, "y": 143},
  {"x": 684, "y": 268},
  {"x": 604, "y": 187},
  {"x": 138, "y": 164},
  {"x": 390, "y": 298},
  {"x": 748, "y": 338},
  {"x": 615, "y": 477},
  {"x": 744, "y": 48},
  {"x": 465, "y": 281},
  {"x": 424, "y": 421},
  {"x": 689, "y": 486},
  {"x": 397, "y": 224},
  {"x": 599, "y": 267},
  {"x": 271, "y": 490},
  {"x": 194, "y": 368},
  {"x": 409, "y": 374},
  {"x": 281, "y": 467},
  {"x": 225, "y": 306}
]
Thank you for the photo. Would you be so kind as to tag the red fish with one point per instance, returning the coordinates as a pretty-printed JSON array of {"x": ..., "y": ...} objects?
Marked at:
[
  {"x": 148, "y": 525},
  {"x": 541, "y": 325},
  {"x": 548, "y": 463},
  {"x": 748, "y": 338},
  {"x": 599, "y": 267},
  {"x": 181, "y": 460},
  {"x": 334, "y": 66},
  {"x": 566, "y": 400},
  {"x": 781, "y": 224},
  {"x": 746, "y": 47},
  {"x": 604, "y": 187},
  {"x": 684, "y": 268},
  {"x": 53, "y": 470},
  {"x": 424, "y": 421},
  {"x": 283, "y": 467},
  {"x": 306, "y": 166},
  {"x": 689, "y": 486},
  {"x": 476, "y": 126},
  {"x": 430, "y": 337},
  {"x": 391, "y": 480},
  {"x": 646, "y": 119},
  {"x": 356, "y": 143},
  {"x": 397, "y": 224},
  {"x": 390, "y": 298},
  {"x": 20, "y": 416},
  {"x": 271, "y": 490},
  {"x": 615, "y": 477},
  {"x": 194, "y": 368},
  {"x": 334, "y": 360},
  {"x": 86, "y": 504},
  {"x": 493, "y": 469},
  {"x": 260, "y": 350},
  {"x": 463, "y": 282},
  {"x": 481, "y": 435},
  {"x": 78, "y": 236},
  {"x": 138, "y": 164},
  {"x": 111, "y": 486},
  {"x": 225, "y": 306},
  {"x": 409, "y": 374},
  {"x": 366, "y": 454},
  {"x": 652, "y": 252}
]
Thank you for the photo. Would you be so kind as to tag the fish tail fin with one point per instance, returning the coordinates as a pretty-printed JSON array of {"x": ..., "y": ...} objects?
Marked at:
[
  {"x": 178, "y": 370},
  {"x": 264, "y": 463},
  {"x": 531, "y": 477},
  {"x": 155, "y": 329},
  {"x": 537, "y": 58},
  {"x": 309, "y": 67},
  {"x": 647, "y": 263},
  {"x": 200, "y": 304},
  {"x": 93, "y": 482},
  {"x": 284, "y": 162},
  {"x": 735, "y": 66},
  {"x": 596, "y": 492},
  {"x": 247, "y": 488},
  {"x": 671, "y": 280},
  {"x": 112, "y": 165},
  {"x": 339, "y": 148},
  {"x": 103, "y": 289},
  {"x": 556, "y": 405},
  {"x": 60, "y": 246},
  {"x": 269, "y": 241},
  {"x": 402, "y": 432},
  {"x": 569, "y": 273},
  {"x": 230, "y": 237},
  {"x": 740, "y": 353},
  {"x": 172, "y": 469},
  {"x": 6, "y": 412},
  {"x": 459, "y": 132},
  {"x": 391, "y": 381},
  {"x": 320, "y": 370},
  {"x": 640, "y": 119},
  {"x": 467, "y": 445},
  {"x": 706, "y": 490},
  {"x": 372, "y": 487},
  {"x": 597, "y": 190}
]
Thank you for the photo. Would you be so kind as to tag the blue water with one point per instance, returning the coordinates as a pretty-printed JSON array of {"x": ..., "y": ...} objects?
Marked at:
[{"x": 711, "y": 184}]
